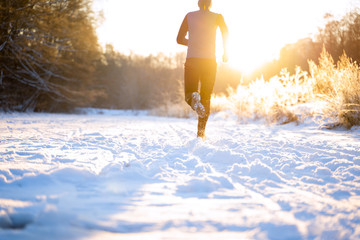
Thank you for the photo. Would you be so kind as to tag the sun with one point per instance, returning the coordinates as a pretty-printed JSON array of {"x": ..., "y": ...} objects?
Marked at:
[
  {"x": 244, "y": 59},
  {"x": 245, "y": 55},
  {"x": 250, "y": 43},
  {"x": 259, "y": 29}
]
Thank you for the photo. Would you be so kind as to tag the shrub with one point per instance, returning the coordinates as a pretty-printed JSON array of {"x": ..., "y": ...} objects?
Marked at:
[
  {"x": 331, "y": 93},
  {"x": 339, "y": 86},
  {"x": 272, "y": 100}
]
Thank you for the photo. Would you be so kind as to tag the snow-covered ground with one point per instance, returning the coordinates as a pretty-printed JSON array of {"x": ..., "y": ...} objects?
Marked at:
[{"x": 120, "y": 175}]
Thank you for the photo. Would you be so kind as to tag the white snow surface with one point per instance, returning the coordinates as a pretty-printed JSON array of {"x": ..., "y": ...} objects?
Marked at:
[{"x": 120, "y": 175}]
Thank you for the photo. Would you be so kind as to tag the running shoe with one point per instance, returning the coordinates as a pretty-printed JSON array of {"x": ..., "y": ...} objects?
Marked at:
[{"x": 196, "y": 105}]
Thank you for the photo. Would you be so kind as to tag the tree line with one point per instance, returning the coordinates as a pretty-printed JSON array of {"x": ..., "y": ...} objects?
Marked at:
[
  {"x": 50, "y": 60},
  {"x": 139, "y": 82},
  {"x": 336, "y": 37}
]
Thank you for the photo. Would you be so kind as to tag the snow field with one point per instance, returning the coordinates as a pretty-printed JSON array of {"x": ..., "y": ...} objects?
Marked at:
[{"x": 119, "y": 175}]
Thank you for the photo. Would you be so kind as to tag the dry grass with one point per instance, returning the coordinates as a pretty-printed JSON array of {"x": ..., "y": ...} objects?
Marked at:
[
  {"x": 339, "y": 86},
  {"x": 177, "y": 110},
  {"x": 330, "y": 93},
  {"x": 271, "y": 100}
]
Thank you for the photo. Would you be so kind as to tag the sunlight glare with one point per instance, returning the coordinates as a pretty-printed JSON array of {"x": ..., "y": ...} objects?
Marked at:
[
  {"x": 257, "y": 31},
  {"x": 258, "y": 28}
]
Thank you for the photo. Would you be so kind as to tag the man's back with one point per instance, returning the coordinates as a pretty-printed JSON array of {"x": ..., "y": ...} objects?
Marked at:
[{"x": 202, "y": 34}]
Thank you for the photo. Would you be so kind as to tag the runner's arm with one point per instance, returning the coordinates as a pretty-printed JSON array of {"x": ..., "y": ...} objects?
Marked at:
[
  {"x": 181, "y": 38},
  {"x": 225, "y": 35}
]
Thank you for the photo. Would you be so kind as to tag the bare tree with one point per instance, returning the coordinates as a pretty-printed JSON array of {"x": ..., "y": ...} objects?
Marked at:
[
  {"x": 48, "y": 50},
  {"x": 342, "y": 35}
]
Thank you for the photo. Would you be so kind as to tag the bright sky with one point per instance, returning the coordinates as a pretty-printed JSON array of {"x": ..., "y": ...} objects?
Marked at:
[{"x": 258, "y": 28}]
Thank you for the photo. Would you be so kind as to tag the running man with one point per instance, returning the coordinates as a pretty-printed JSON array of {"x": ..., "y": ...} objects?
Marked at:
[{"x": 200, "y": 65}]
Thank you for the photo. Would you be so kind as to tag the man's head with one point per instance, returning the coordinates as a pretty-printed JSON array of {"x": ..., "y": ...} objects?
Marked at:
[{"x": 205, "y": 4}]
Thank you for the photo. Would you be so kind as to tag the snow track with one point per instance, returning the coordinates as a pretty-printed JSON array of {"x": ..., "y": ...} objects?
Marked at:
[{"x": 140, "y": 177}]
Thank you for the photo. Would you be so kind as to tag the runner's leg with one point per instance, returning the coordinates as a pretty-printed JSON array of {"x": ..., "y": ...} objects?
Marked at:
[
  {"x": 191, "y": 83},
  {"x": 207, "y": 79}
]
